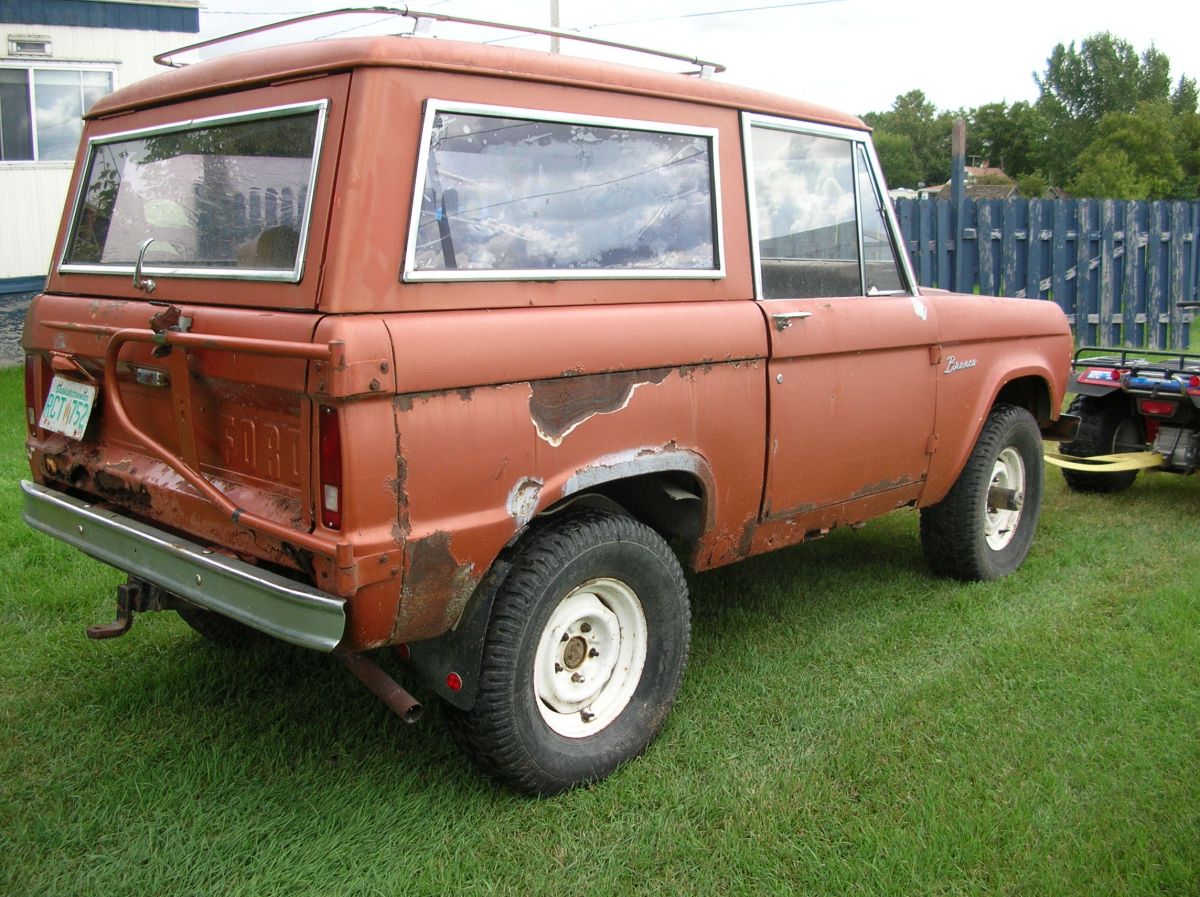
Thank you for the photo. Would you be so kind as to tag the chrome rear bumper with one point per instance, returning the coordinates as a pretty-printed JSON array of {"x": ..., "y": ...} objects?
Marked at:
[{"x": 274, "y": 604}]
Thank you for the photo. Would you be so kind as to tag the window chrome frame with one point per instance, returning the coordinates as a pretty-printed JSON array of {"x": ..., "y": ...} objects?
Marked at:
[
  {"x": 856, "y": 139},
  {"x": 409, "y": 273},
  {"x": 321, "y": 107}
]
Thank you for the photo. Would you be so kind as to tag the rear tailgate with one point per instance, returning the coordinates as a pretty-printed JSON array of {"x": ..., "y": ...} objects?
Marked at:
[{"x": 232, "y": 407}]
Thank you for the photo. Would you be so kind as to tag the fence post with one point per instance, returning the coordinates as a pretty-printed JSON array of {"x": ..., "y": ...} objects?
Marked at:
[{"x": 958, "y": 177}]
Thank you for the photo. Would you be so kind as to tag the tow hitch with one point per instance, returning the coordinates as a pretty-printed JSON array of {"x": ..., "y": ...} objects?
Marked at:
[{"x": 133, "y": 597}]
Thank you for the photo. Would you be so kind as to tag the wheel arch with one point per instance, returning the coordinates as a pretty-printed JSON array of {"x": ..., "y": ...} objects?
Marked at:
[
  {"x": 1028, "y": 387},
  {"x": 670, "y": 490}
]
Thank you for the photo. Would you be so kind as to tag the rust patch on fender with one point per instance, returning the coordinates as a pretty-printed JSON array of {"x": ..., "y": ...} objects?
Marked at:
[
  {"x": 559, "y": 406},
  {"x": 435, "y": 591}
]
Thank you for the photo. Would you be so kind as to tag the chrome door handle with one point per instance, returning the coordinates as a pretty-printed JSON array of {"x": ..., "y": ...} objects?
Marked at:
[{"x": 783, "y": 320}]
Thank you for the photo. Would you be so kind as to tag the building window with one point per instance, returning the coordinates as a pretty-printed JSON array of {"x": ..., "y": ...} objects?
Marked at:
[{"x": 41, "y": 111}]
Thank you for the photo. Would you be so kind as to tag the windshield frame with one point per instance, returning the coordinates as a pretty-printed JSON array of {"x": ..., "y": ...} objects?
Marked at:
[{"x": 321, "y": 107}]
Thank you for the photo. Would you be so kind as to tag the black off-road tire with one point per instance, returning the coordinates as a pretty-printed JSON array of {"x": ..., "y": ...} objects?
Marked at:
[
  {"x": 1107, "y": 425},
  {"x": 220, "y": 629},
  {"x": 557, "y": 569},
  {"x": 955, "y": 531}
]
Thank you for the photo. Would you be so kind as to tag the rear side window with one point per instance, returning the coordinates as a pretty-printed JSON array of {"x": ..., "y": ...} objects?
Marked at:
[
  {"x": 508, "y": 194},
  {"x": 221, "y": 197}
]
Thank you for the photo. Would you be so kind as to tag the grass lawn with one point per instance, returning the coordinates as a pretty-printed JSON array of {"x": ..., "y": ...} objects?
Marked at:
[{"x": 849, "y": 725}]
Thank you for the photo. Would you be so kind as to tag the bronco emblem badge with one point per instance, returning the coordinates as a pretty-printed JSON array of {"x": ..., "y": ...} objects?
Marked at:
[{"x": 953, "y": 364}]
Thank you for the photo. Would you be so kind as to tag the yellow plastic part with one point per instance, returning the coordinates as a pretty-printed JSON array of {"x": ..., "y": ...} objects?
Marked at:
[{"x": 1106, "y": 463}]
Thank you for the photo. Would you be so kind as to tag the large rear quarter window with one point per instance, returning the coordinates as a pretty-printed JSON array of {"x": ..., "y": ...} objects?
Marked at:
[
  {"x": 508, "y": 194},
  {"x": 228, "y": 196}
]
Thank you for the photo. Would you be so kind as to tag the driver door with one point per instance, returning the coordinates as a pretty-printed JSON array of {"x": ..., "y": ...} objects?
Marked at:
[{"x": 852, "y": 389}]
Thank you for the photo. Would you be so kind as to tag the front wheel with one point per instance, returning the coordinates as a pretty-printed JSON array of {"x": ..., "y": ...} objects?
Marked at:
[
  {"x": 984, "y": 526},
  {"x": 584, "y": 654}
]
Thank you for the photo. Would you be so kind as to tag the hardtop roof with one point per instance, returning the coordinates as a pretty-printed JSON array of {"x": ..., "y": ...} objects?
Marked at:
[{"x": 267, "y": 65}]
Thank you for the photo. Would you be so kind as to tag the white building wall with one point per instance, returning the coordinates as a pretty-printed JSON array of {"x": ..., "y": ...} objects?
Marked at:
[{"x": 32, "y": 194}]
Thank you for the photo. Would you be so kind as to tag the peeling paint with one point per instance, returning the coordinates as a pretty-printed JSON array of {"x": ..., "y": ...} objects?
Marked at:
[
  {"x": 557, "y": 407},
  {"x": 523, "y": 500}
]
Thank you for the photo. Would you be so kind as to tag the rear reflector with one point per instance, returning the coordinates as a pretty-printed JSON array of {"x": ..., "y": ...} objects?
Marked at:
[{"x": 331, "y": 468}]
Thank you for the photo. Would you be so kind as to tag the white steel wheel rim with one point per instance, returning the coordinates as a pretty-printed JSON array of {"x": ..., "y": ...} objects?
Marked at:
[
  {"x": 590, "y": 657},
  {"x": 1000, "y": 524}
]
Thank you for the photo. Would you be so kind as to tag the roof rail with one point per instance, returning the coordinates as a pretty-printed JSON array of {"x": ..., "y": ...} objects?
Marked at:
[{"x": 423, "y": 23}]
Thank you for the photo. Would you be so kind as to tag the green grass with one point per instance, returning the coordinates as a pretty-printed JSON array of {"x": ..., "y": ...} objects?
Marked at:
[{"x": 849, "y": 724}]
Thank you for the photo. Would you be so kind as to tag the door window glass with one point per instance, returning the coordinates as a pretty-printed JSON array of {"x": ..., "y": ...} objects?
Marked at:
[{"x": 805, "y": 215}]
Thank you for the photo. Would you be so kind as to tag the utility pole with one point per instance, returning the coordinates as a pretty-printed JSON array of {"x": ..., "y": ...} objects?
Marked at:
[{"x": 554, "y": 24}]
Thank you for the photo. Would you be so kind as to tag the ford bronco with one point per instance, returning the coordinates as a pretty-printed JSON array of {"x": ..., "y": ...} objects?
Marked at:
[{"x": 458, "y": 350}]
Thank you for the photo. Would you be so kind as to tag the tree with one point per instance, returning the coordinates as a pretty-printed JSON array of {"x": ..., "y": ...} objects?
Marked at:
[
  {"x": 1104, "y": 76},
  {"x": 899, "y": 162},
  {"x": 1133, "y": 156},
  {"x": 912, "y": 116},
  {"x": 1010, "y": 137}
]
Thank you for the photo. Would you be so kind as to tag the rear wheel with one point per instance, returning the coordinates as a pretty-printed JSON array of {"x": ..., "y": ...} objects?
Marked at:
[
  {"x": 1106, "y": 426},
  {"x": 584, "y": 654},
  {"x": 984, "y": 526}
]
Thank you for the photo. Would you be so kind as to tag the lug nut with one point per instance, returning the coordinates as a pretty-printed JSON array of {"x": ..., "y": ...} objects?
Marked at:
[
  {"x": 593, "y": 653},
  {"x": 576, "y": 678},
  {"x": 585, "y": 627}
]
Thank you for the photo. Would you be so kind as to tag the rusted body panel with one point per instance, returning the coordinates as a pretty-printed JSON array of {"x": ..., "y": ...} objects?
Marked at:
[
  {"x": 246, "y": 423},
  {"x": 480, "y": 464}
]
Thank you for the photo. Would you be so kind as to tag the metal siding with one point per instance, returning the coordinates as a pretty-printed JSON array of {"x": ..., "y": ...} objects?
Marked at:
[{"x": 96, "y": 14}]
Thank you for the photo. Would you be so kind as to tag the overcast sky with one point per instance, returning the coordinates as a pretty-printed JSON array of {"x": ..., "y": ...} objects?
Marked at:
[{"x": 855, "y": 55}]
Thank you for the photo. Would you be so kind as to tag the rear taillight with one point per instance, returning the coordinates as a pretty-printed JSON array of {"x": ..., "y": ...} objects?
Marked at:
[
  {"x": 330, "y": 437},
  {"x": 31, "y": 410},
  {"x": 37, "y": 386},
  {"x": 1157, "y": 407}
]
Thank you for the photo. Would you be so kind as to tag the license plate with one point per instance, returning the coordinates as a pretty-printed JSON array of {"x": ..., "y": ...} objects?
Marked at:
[{"x": 68, "y": 407}]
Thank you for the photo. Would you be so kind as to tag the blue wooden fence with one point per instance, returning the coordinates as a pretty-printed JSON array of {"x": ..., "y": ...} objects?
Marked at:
[{"x": 1118, "y": 269}]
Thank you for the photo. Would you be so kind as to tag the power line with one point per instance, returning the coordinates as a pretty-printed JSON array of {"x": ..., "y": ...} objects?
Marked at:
[{"x": 715, "y": 12}]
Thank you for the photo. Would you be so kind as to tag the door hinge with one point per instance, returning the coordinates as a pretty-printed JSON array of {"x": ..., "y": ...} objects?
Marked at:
[
  {"x": 935, "y": 354},
  {"x": 931, "y": 444}
]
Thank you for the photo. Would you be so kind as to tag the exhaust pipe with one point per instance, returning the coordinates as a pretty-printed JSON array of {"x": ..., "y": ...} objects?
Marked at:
[{"x": 384, "y": 686}]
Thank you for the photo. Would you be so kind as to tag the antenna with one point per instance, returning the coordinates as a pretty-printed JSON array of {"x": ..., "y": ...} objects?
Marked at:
[{"x": 422, "y": 26}]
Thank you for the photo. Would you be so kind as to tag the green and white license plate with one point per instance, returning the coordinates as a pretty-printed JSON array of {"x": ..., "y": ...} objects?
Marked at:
[{"x": 68, "y": 407}]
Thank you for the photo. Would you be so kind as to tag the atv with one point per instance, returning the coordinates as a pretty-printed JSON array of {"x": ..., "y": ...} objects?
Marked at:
[{"x": 1137, "y": 410}]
